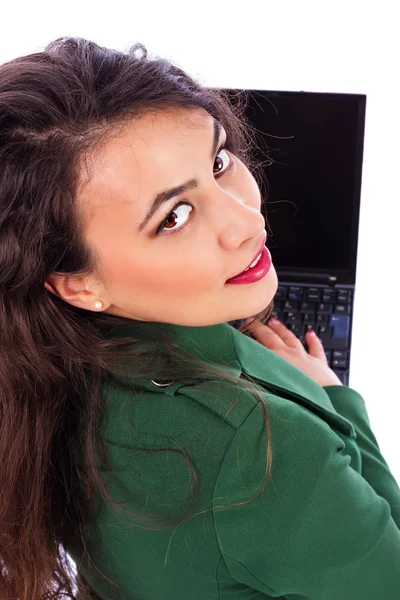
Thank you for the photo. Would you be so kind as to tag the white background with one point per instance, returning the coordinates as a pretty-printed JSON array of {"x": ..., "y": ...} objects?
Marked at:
[{"x": 311, "y": 46}]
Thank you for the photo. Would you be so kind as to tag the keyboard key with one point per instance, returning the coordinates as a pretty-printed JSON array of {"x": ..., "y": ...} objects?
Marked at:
[
  {"x": 340, "y": 363},
  {"x": 296, "y": 289},
  {"x": 324, "y": 330},
  {"x": 308, "y": 307},
  {"x": 314, "y": 297},
  {"x": 342, "y": 308},
  {"x": 281, "y": 293},
  {"x": 336, "y": 344},
  {"x": 325, "y": 309},
  {"x": 308, "y": 317},
  {"x": 291, "y": 306},
  {"x": 341, "y": 326},
  {"x": 308, "y": 326},
  {"x": 295, "y": 293},
  {"x": 328, "y": 354},
  {"x": 342, "y": 298},
  {"x": 324, "y": 333},
  {"x": 322, "y": 319},
  {"x": 292, "y": 317},
  {"x": 279, "y": 297},
  {"x": 340, "y": 354}
]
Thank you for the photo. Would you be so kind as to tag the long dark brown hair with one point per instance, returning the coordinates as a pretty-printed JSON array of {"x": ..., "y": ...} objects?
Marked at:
[{"x": 56, "y": 106}]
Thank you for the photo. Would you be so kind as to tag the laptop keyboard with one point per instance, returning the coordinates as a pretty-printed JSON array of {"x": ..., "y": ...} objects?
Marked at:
[{"x": 327, "y": 311}]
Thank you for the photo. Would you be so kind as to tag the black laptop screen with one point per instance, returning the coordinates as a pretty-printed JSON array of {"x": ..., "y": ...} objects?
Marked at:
[{"x": 311, "y": 194}]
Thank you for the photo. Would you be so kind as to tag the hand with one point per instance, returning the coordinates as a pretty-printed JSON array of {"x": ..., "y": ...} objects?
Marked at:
[{"x": 277, "y": 337}]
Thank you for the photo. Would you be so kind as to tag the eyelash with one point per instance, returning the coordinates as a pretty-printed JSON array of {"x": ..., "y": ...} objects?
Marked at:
[{"x": 224, "y": 146}]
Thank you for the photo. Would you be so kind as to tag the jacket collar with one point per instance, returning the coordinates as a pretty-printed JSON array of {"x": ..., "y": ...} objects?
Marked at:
[{"x": 237, "y": 353}]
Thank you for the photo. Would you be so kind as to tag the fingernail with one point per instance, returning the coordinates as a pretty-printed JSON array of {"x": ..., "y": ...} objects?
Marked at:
[
  {"x": 311, "y": 331},
  {"x": 273, "y": 321}
]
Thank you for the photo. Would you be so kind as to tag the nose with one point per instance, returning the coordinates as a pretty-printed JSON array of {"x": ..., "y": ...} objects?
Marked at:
[{"x": 238, "y": 217}]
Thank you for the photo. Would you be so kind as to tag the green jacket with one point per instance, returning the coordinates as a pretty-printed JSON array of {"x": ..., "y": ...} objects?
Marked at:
[{"x": 326, "y": 526}]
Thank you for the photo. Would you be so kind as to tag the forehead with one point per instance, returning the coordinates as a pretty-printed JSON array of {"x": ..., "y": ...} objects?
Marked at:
[{"x": 140, "y": 158}]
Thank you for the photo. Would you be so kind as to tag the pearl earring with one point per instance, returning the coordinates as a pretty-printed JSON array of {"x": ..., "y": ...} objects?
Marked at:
[{"x": 98, "y": 304}]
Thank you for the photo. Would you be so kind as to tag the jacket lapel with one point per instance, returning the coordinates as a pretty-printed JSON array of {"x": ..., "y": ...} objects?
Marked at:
[{"x": 274, "y": 372}]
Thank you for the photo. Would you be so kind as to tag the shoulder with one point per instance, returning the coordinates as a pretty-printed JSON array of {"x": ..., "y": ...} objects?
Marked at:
[{"x": 206, "y": 404}]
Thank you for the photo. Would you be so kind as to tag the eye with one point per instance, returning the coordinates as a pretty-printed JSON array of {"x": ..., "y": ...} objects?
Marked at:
[
  {"x": 183, "y": 204},
  {"x": 217, "y": 159},
  {"x": 172, "y": 216}
]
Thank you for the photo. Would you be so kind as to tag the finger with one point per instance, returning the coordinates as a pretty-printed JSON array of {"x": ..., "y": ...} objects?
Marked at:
[
  {"x": 315, "y": 346},
  {"x": 288, "y": 337},
  {"x": 265, "y": 335}
]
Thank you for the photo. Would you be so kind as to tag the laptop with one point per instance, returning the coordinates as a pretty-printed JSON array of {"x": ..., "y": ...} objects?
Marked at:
[{"x": 310, "y": 145}]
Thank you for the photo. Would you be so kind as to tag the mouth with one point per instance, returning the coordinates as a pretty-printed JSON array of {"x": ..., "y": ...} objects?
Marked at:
[{"x": 255, "y": 259}]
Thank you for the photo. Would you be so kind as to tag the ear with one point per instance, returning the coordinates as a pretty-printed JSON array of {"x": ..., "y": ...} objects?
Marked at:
[
  {"x": 57, "y": 282},
  {"x": 70, "y": 289},
  {"x": 49, "y": 287}
]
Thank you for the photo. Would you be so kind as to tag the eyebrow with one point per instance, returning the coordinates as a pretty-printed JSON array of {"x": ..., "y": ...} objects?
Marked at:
[{"x": 175, "y": 191}]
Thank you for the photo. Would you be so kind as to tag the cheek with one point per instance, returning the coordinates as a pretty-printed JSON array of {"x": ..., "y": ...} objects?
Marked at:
[
  {"x": 168, "y": 273},
  {"x": 183, "y": 273}
]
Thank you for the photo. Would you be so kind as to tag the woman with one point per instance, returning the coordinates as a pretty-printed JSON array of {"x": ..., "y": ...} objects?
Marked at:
[{"x": 171, "y": 455}]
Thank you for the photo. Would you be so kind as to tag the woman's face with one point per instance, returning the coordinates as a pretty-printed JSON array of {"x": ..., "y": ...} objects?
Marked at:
[{"x": 177, "y": 275}]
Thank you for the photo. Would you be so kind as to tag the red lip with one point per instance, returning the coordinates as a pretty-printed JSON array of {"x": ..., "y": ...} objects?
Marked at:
[
  {"x": 256, "y": 273},
  {"x": 256, "y": 254}
]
